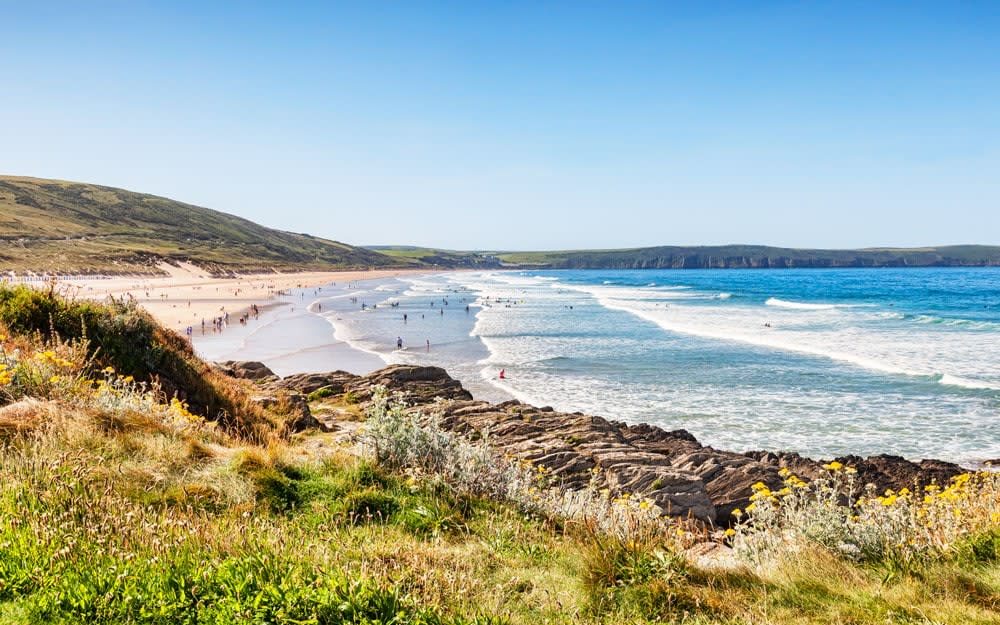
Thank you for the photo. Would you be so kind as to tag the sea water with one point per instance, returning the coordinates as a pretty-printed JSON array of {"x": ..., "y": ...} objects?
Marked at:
[{"x": 822, "y": 362}]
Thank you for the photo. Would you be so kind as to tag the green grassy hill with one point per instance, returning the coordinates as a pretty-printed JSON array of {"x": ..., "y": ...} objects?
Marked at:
[
  {"x": 58, "y": 226},
  {"x": 437, "y": 258},
  {"x": 755, "y": 256}
]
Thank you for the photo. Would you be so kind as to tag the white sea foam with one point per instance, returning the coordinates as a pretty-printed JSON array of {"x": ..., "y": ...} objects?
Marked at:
[
  {"x": 892, "y": 353},
  {"x": 954, "y": 380},
  {"x": 634, "y": 293},
  {"x": 549, "y": 354},
  {"x": 774, "y": 301}
]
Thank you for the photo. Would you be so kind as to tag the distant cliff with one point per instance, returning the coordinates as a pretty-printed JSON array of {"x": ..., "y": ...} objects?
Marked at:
[{"x": 756, "y": 257}]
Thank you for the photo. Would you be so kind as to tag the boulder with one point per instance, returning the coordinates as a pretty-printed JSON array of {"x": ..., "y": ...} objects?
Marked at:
[
  {"x": 307, "y": 383},
  {"x": 419, "y": 385},
  {"x": 293, "y": 404},
  {"x": 247, "y": 370}
]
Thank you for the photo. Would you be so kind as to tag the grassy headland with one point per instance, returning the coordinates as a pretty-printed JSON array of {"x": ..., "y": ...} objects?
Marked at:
[
  {"x": 431, "y": 257},
  {"x": 76, "y": 228},
  {"x": 123, "y": 502}
]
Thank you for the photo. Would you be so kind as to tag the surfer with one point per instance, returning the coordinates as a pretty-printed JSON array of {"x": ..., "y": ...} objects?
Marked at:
[{"x": 502, "y": 376}]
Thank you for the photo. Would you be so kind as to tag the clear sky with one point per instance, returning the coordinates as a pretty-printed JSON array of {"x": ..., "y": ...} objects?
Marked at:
[{"x": 535, "y": 125}]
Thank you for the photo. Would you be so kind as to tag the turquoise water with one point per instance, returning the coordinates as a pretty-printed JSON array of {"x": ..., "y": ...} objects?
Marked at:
[{"x": 822, "y": 362}]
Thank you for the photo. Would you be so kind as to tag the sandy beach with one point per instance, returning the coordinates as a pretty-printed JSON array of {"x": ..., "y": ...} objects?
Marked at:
[{"x": 187, "y": 295}]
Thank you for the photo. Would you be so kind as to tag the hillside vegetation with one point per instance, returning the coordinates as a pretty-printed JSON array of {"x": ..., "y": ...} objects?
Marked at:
[
  {"x": 123, "y": 503},
  {"x": 432, "y": 257},
  {"x": 71, "y": 227},
  {"x": 755, "y": 256}
]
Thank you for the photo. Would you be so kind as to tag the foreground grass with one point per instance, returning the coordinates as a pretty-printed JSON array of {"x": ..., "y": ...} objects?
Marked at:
[
  {"x": 119, "y": 506},
  {"x": 109, "y": 521}
]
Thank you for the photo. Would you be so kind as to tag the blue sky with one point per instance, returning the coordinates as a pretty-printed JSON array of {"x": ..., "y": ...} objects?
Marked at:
[{"x": 537, "y": 125}]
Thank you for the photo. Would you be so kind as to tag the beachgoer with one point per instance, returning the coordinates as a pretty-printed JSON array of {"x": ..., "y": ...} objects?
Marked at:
[
  {"x": 399, "y": 342},
  {"x": 428, "y": 345},
  {"x": 502, "y": 376}
]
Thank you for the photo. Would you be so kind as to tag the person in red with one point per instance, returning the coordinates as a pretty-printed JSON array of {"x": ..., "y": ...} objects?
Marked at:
[{"x": 502, "y": 376}]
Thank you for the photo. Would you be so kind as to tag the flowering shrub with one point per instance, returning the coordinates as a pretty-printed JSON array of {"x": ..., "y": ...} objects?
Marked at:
[
  {"x": 59, "y": 370},
  {"x": 415, "y": 443},
  {"x": 27, "y": 370},
  {"x": 897, "y": 526}
]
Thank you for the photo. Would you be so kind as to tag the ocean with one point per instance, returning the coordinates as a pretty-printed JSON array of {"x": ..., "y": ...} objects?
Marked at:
[{"x": 821, "y": 362}]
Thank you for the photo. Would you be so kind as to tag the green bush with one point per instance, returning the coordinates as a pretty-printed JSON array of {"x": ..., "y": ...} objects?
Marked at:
[
  {"x": 981, "y": 549},
  {"x": 370, "y": 506},
  {"x": 121, "y": 335},
  {"x": 319, "y": 394}
]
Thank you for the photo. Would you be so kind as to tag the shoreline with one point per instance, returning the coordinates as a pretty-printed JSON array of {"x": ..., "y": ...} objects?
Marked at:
[
  {"x": 290, "y": 337},
  {"x": 370, "y": 337},
  {"x": 188, "y": 294}
]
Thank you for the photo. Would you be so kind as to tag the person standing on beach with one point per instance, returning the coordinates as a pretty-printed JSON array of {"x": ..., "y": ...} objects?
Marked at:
[{"x": 399, "y": 342}]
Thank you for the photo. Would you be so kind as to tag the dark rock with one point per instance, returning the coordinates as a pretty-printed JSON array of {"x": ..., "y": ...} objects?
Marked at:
[
  {"x": 882, "y": 471},
  {"x": 303, "y": 418},
  {"x": 895, "y": 472},
  {"x": 571, "y": 446},
  {"x": 247, "y": 370},
  {"x": 311, "y": 382},
  {"x": 419, "y": 385},
  {"x": 294, "y": 405}
]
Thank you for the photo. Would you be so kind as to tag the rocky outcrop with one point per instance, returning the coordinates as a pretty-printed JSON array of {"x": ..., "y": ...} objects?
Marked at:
[
  {"x": 884, "y": 471},
  {"x": 307, "y": 383},
  {"x": 684, "y": 477},
  {"x": 294, "y": 405},
  {"x": 247, "y": 370},
  {"x": 577, "y": 448},
  {"x": 420, "y": 385}
]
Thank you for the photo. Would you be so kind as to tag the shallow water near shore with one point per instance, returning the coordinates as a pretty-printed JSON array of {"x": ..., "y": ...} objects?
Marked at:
[{"x": 823, "y": 362}]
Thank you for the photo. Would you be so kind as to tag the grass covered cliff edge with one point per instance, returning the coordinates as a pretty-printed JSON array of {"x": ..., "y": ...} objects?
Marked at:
[{"x": 141, "y": 485}]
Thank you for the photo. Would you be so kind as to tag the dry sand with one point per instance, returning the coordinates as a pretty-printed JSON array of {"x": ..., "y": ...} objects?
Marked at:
[{"x": 188, "y": 295}]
